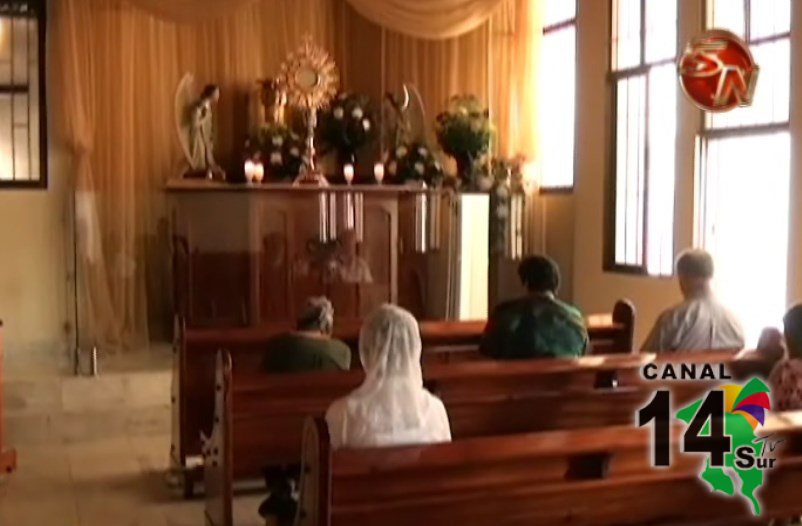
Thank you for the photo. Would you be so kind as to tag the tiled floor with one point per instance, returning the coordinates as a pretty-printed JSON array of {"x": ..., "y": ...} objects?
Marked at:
[{"x": 94, "y": 451}]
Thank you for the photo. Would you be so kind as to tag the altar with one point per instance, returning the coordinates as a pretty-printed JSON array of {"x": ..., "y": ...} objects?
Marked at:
[{"x": 249, "y": 255}]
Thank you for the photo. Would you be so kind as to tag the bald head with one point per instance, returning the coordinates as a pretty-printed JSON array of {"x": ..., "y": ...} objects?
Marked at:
[{"x": 694, "y": 271}]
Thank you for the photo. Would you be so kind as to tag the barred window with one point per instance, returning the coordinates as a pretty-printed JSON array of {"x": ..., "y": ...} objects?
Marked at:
[
  {"x": 23, "y": 139},
  {"x": 640, "y": 236},
  {"x": 558, "y": 94}
]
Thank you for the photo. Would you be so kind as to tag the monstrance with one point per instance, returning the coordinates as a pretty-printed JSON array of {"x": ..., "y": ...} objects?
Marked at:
[{"x": 311, "y": 79}]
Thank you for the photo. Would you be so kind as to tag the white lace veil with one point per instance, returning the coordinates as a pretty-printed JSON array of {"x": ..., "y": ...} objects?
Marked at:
[
  {"x": 391, "y": 406},
  {"x": 390, "y": 347}
]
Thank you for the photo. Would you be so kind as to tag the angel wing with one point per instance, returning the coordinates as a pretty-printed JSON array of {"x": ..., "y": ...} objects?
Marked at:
[
  {"x": 415, "y": 115},
  {"x": 185, "y": 97}
]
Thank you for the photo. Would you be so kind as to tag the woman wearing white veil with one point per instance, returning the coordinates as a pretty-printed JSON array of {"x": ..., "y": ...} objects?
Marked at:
[{"x": 391, "y": 407}]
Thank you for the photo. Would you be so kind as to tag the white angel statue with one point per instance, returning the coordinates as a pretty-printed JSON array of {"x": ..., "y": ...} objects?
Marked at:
[
  {"x": 406, "y": 117},
  {"x": 194, "y": 125}
]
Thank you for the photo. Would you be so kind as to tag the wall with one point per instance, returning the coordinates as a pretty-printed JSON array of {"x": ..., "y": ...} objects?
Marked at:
[
  {"x": 33, "y": 265},
  {"x": 594, "y": 289}
]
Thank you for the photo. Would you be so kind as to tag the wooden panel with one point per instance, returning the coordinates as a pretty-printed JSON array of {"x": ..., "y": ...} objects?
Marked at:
[{"x": 276, "y": 242}]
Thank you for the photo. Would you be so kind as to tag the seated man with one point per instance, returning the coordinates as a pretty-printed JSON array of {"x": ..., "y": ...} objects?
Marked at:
[
  {"x": 310, "y": 347},
  {"x": 699, "y": 322},
  {"x": 537, "y": 325},
  {"x": 786, "y": 377}
]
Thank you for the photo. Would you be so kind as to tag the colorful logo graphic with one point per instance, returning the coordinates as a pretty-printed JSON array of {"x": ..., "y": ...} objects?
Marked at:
[
  {"x": 745, "y": 410},
  {"x": 717, "y": 71},
  {"x": 724, "y": 424}
]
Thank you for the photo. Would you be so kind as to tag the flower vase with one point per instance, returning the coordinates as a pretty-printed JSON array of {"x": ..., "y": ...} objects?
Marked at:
[{"x": 466, "y": 173}]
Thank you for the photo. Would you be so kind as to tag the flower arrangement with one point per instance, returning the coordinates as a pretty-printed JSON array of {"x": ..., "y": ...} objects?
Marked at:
[
  {"x": 464, "y": 132},
  {"x": 414, "y": 162},
  {"x": 348, "y": 124},
  {"x": 279, "y": 149}
]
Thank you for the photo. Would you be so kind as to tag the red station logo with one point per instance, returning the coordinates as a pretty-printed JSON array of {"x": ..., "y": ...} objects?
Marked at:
[{"x": 717, "y": 71}]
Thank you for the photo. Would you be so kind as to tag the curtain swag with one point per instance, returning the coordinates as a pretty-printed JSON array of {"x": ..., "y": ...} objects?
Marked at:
[{"x": 427, "y": 19}]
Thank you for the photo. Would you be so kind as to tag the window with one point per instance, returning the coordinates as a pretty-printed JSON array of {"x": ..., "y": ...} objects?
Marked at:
[
  {"x": 744, "y": 171},
  {"x": 558, "y": 94},
  {"x": 643, "y": 55},
  {"x": 23, "y": 151}
]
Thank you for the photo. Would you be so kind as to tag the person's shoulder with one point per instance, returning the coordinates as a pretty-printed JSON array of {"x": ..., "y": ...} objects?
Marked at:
[
  {"x": 510, "y": 305},
  {"x": 341, "y": 351},
  {"x": 572, "y": 309}
]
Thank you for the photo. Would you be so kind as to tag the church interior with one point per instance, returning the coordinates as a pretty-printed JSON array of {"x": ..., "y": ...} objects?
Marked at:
[{"x": 361, "y": 262}]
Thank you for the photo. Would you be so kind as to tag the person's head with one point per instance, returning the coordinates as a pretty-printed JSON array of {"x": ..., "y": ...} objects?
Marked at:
[
  {"x": 694, "y": 272},
  {"x": 317, "y": 315},
  {"x": 211, "y": 92},
  {"x": 390, "y": 344},
  {"x": 792, "y": 323},
  {"x": 539, "y": 274}
]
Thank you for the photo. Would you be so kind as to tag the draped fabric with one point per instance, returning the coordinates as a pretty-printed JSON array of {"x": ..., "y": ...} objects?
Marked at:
[
  {"x": 114, "y": 66},
  {"x": 115, "y": 69},
  {"x": 190, "y": 10},
  {"x": 429, "y": 19}
]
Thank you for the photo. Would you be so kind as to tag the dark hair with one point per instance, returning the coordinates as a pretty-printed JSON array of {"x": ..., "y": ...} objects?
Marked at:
[
  {"x": 208, "y": 89},
  {"x": 539, "y": 274},
  {"x": 695, "y": 263},
  {"x": 792, "y": 322}
]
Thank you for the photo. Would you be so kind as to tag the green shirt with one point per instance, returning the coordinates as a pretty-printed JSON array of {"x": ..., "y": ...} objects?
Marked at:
[
  {"x": 296, "y": 352},
  {"x": 534, "y": 327}
]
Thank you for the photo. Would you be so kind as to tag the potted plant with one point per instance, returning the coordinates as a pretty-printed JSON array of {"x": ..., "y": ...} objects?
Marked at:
[
  {"x": 464, "y": 132},
  {"x": 347, "y": 125},
  {"x": 414, "y": 163},
  {"x": 279, "y": 149}
]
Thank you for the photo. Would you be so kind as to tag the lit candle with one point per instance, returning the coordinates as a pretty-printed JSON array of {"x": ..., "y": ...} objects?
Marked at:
[
  {"x": 348, "y": 172},
  {"x": 250, "y": 170},
  {"x": 378, "y": 172},
  {"x": 258, "y": 172}
]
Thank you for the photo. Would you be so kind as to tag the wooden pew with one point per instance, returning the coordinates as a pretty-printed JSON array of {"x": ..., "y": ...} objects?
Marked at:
[
  {"x": 598, "y": 476},
  {"x": 8, "y": 457},
  {"x": 258, "y": 419},
  {"x": 194, "y": 353}
]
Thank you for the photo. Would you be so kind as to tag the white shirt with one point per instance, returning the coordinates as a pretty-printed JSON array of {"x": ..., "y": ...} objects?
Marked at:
[{"x": 695, "y": 324}]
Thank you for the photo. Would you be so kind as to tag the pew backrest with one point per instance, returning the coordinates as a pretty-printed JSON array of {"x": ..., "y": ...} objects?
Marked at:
[
  {"x": 194, "y": 353},
  {"x": 590, "y": 476}
]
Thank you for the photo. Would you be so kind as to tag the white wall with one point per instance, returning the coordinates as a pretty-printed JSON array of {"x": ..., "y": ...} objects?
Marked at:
[{"x": 34, "y": 239}]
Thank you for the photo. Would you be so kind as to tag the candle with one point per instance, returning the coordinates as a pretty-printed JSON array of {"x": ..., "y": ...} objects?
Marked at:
[
  {"x": 348, "y": 172},
  {"x": 258, "y": 172},
  {"x": 378, "y": 172},
  {"x": 250, "y": 168}
]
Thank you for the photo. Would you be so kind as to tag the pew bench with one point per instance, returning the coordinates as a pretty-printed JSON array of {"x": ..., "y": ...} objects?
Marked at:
[
  {"x": 259, "y": 419},
  {"x": 579, "y": 477},
  {"x": 194, "y": 350}
]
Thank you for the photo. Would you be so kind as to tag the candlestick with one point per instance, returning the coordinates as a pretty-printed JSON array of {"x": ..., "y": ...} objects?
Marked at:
[
  {"x": 250, "y": 168},
  {"x": 348, "y": 172},
  {"x": 378, "y": 172},
  {"x": 258, "y": 172}
]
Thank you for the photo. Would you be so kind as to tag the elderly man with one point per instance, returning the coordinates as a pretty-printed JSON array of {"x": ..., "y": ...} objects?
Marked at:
[
  {"x": 699, "y": 322},
  {"x": 310, "y": 346},
  {"x": 538, "y": 325}
]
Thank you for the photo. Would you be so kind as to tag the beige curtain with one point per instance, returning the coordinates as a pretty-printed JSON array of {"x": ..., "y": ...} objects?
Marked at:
[
  {"x": 114, "y": 66},
  {"x": 430, "y": 19},
  {"x": 190, "y": 10},
  {"x": 114, "y": 69}
]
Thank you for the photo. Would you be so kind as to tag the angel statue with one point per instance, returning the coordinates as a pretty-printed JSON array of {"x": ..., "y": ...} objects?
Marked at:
[
  {"x": 406, "y": 116},
  {"x": 194, "y": 124}
]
